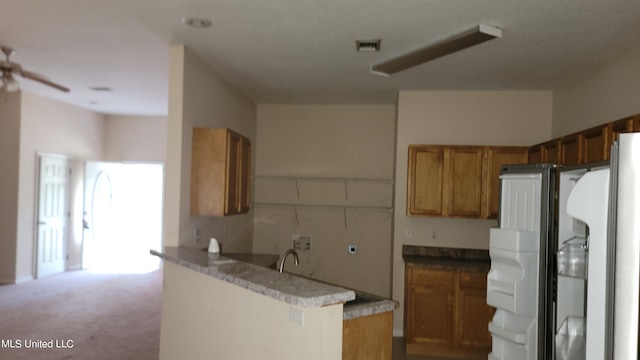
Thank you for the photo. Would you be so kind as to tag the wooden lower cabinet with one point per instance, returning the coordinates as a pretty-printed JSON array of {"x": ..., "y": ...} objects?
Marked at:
[
  {"x": 368, "y": 337},
  {"x": 446, "y": 313}
]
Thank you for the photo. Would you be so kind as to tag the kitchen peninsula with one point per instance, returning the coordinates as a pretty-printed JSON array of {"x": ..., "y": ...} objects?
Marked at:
[{"x": 218, "y": 307}]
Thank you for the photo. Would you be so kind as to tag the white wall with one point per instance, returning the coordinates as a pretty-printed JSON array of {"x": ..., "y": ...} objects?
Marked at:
[
  {"x": 457, "y": 118},
  {"x": 599, "y": 94},
  {"x": 207, "y": 318},
  {"x": 135, "y": 138},
  {"x": 199, "y": 97},
  {"x": 314, "y": 142},
  {"x": 10, "y": 164},
  {"x": 50, "y": 126}
]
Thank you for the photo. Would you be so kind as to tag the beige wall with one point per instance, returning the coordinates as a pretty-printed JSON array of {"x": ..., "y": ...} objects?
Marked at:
[
  {"x": 199, "y": 97},
  {"x": 305, "y": 144},
  {"x": 135, "y": 138},
  {"x": 10, "y": 164},
  {"x": 598, "y": 94},
  {"x": 49, "y": 126},
  {"x": 225, "y": 321},
  {"x": 457, "y": 118}
]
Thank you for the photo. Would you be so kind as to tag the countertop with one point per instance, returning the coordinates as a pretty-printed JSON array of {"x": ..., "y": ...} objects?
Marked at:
[
  {"x": 289, "y": 288},
  {"x": 438, "y": 258}
]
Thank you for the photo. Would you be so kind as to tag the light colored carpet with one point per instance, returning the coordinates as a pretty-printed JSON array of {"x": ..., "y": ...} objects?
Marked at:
[{"x": 94, "y": 315}]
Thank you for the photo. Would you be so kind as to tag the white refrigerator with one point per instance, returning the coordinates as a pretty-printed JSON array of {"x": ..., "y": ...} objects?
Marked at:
[{"x": 565, "y": 260}]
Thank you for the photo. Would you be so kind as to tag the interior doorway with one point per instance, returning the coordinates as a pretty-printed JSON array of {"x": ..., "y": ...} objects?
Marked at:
[{"x": 122, "y": 216}]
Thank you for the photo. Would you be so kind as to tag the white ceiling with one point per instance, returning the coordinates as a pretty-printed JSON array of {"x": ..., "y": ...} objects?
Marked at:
[{"x": 303, "y": 51}]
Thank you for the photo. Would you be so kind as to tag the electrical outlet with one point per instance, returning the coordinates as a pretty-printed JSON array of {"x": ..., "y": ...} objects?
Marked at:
[
  {"x": 408, "y": 233},
  {"x": 296, "y": 316},
  {"x": 301, "y": 242},
  {"x": 352, "y": 249},
  {"x": 196, "y": 235}
]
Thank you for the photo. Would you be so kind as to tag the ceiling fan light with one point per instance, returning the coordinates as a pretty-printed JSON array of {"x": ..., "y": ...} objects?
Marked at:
[
  {"x": 9, "y": 83},
  {"x": 464, "y": 40}
]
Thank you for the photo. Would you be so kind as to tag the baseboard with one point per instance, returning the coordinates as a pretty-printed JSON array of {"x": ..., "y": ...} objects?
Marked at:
[
  {"x": 24, "y": 279},
  {"x": 9, "y": 281},
  {"x": 398, "y": 333}
]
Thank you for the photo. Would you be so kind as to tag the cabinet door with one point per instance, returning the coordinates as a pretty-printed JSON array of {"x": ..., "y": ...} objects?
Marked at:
[
  {"x": 234, "y": 150},
  {"x": 424, "y": 180},
  {"x": 431, "y": 314},
  {"x": 463, "y": 181},
  {"x": 636, "y": 123},
  {"x": 571, "y": 150},
  {"x": 208, "y": 171},
  {"x": 474, "y": 317},
  {"x": 535, "y": 154},
  {"x": 496, "y": 157},
  {"x": 245, "y": 176},
  {"x": 551, "y": 153},
  {"x": 220, "y": 166},
  {"x": 619, "y": 127},
  {"x": 473, "y": 312},
  {"x": 596, "y": 144}
]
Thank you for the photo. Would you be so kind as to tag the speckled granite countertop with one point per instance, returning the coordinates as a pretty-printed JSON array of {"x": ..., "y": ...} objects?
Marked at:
[
  {"x": 285, "y": 287},
  {"x": 437, "y": 258},
  {"x": 292, "y": 289},
  {"x": 374, "y": 305}
]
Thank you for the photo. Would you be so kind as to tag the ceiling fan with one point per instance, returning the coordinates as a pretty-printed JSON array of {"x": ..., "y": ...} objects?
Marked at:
[{"x": 8, "y": 68}]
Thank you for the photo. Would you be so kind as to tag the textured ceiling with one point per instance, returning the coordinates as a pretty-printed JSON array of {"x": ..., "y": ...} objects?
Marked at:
[{"x": 303, "y": 51}]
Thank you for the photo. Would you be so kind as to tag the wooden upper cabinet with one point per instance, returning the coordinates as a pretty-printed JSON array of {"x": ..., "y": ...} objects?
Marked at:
[
  {"x": 596, "y": 144},
  {"x": 457, "y": 181},
  {"x": 220, "y": 172},
  {"x": 425, "y": 180},
  {"x": 619, "y": 127},
  {"x": 551, "y": 152},
  {"x": 463, "y": 181},
  {"x": 497, "y": 156},
  {"x": 636, "y": 123},
  {"x": 536, "y": 155},
  {"x": 571, "y": 149}
]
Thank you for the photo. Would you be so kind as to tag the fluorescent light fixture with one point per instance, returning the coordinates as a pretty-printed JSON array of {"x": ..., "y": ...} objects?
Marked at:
[{"x": 467, "y": 39}]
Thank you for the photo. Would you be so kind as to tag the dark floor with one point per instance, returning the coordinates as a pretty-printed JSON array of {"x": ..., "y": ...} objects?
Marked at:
[{"x": 399, "y": 353}]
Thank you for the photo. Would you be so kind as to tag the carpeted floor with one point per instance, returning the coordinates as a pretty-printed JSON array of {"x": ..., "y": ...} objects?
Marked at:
[{"x": 83, "y": 315}]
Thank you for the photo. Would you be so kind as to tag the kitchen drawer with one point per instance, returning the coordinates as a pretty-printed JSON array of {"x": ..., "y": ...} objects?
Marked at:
[
  {"x": 432, "y": 278},
  {"x": 473, "y": 279}
]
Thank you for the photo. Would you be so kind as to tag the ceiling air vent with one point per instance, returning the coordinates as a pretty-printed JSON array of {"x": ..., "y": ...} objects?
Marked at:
[{"x": 368, "y": 45}]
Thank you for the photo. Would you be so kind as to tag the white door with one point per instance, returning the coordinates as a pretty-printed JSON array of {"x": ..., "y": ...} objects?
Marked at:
[
  {"x": 122, "y": 216},
  {"x": 99, "y": 212},
  {"x": 53, "y": 214}
]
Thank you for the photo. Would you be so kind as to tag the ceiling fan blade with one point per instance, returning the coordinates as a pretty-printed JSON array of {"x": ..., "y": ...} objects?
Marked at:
[{"x": 44, "y": 80}]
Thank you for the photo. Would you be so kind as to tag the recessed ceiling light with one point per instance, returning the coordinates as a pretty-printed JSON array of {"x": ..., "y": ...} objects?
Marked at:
[
  {"x": 372, "y": 45},
  {"x": 197, "y": 23}
]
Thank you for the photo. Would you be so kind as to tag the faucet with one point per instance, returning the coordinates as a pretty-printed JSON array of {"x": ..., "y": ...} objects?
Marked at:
[{"x": 284, "y": 257}]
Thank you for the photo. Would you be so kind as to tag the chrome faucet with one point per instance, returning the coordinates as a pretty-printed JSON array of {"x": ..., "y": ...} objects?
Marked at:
[{"x": 284, "y": 257}]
